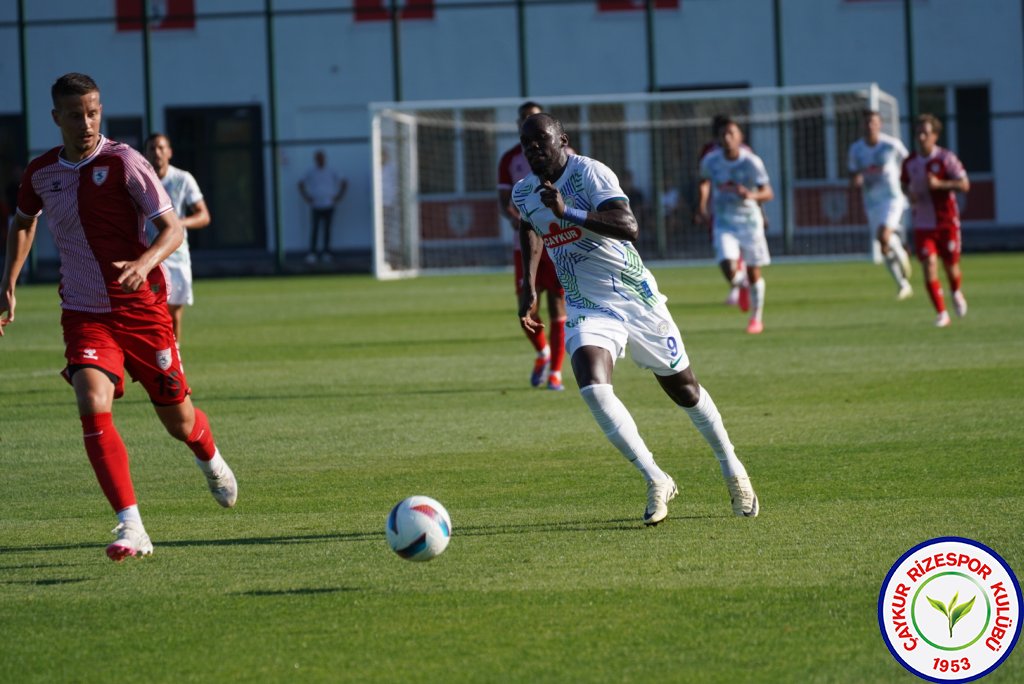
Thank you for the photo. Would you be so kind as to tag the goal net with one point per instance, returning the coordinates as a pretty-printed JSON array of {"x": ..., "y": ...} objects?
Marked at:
[{"x": 435, "y": 170}]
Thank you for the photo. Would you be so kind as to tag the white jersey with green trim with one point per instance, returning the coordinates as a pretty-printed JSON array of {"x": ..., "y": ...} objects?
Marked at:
[
  {"x": 184, "y": 192},
  {"x": 602, "y": 276}
]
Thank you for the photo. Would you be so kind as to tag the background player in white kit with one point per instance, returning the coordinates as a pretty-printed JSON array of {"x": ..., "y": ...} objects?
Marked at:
[
  {"x": 573, "y": 206},
  {"x": 738, "y": 184},
  {"x": 192, "y": 213},
  {"x": 875, "y": 162}
]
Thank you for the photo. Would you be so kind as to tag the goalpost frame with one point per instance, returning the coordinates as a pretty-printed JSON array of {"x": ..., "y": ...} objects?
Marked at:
[{"x": 780, "y": 114}]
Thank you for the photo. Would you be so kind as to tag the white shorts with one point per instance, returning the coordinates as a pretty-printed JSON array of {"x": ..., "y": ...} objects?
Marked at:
[
  {"x": 889, "y": 214},
  {"x": 654, "y": 340},
  {"x": 752, "y": 244},
  {"x": 179, "y": 283}
]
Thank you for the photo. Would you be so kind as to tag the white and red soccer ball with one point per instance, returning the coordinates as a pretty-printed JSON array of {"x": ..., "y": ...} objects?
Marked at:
[{"x": 418, "y": 528}]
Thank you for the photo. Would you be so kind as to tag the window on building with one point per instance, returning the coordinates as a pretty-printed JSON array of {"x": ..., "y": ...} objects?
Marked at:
[
  {"x": 966, "y": 117},
  {"x": 974, "y": 128},
  {"x": 126, "y": 129}
]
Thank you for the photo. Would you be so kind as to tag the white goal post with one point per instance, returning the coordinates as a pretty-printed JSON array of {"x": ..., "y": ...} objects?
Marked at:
[{"x": 435, "y": 169}]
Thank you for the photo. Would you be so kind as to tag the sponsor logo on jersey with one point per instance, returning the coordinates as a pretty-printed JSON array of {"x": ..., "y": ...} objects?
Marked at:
[
  {"x": 561, "y": 236},
  {"x": 90, "y": 354},
  {"x": 163, "y": 359},
  {"x": 934, "y": 167},
  {"x": 99, "y": 174}
]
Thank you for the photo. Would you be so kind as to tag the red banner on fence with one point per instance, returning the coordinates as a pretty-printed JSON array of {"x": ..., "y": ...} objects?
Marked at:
[{"x": 162, "y": 14}]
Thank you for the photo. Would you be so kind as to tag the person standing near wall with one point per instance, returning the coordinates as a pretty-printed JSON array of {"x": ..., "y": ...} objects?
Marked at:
[{"x": 322, "y": 188}]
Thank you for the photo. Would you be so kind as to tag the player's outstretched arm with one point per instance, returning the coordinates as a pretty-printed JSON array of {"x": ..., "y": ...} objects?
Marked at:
[{"x": 19, "y": 243}]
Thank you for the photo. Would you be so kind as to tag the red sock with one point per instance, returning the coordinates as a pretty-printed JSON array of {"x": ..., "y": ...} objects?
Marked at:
[
  {"x": 538, "y": 340},
  {"x": 557, "y": 344},
  {"x": 935, "y": 292},
  {"x": 201, "y": 439},
  {"x": 109, "y": 459},
  {"x": 954, "y": 282}
]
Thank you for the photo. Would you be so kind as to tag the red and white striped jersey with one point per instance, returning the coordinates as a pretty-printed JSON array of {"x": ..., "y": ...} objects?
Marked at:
[
  {"x": 932, "y": 208},
  {"x": 512, "y": 168},
  {"x": 96, "y": 210}
]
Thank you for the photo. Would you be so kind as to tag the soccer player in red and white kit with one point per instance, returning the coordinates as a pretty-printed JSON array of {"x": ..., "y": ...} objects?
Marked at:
[
  {"x": 930, "y": 178},
  {"x": 97, "y": 195},
  {"x": 512, "y": 168}
]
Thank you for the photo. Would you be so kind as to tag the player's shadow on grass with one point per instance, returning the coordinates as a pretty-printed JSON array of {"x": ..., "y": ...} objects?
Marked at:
[
  {"x": 48, "y": 582},
  {"x": 187, "y": 543},
  {"x": 308, "y": 591},
  {"x": 573, "y": 527}
]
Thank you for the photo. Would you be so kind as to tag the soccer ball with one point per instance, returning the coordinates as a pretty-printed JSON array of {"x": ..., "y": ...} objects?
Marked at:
[{"x": 418, "y": 528}]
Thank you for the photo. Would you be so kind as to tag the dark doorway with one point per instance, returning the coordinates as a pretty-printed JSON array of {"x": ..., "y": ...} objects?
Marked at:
[{"x": 223, "y": 148}]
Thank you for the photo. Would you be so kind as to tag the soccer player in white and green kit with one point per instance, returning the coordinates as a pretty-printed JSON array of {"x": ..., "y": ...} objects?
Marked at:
[
  {"x": 875, "y": 162},
  {"x": 737, "y": 183},
  {"x": 573, "y": 206}
]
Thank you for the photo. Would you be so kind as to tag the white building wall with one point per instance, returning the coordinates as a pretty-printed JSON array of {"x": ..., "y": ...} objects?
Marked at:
[{"x": 328, "y": 67}]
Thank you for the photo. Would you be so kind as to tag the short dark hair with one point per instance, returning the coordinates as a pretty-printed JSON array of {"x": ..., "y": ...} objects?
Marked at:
[
  {"x": 529, "y": 104},
  {"x": 722, "y": 122},
  {"x": 872, "y": 113},
  {"x": 152, "y": 137},
  {"x": 719, "y": 123},
  {"x": 549, "y": 121},
  {"x": 930, "y": 119},
  {"x": 72, "y": 84}
]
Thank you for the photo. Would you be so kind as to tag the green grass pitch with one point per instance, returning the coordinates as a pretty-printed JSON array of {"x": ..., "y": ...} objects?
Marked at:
[{"x": 865, "y": 431}]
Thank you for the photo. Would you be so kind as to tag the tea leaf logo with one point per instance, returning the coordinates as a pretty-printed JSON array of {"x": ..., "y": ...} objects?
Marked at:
[{"x": 954, "y": 612}]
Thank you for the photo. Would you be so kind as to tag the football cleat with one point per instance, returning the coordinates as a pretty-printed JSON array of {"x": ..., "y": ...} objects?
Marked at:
[
  {"x": 223, "y": 486},
  {"x": 540, "y": 370},
  {"x": 960, "y": 302},
  {"x": 555, "y": 382},
  {"x": 744, "y": 500},
  {"x": 755, "y": 327},
  {"x": 131, "y": 541},
  {"x": 942, "y": 320},
  {"x": 905, "y": 292},
  {"x": 659, "y": 493}
]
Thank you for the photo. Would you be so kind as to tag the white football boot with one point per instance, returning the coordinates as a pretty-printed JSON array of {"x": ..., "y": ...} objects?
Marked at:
[
  {"x": 131, "y": 541},
  {"x": 659, "y": 493},
  {"x": 223, "y": 486},
  {"x": 744, "y": 500}
]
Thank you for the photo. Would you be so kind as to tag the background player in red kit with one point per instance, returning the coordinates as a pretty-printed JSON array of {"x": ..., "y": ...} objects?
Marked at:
[
  {"x": 97, "y": 195},
  {"x": 930, "y": 178},
  {"x": 511, "y": 169}
]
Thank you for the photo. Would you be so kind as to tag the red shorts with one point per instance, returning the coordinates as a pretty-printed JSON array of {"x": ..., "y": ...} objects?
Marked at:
[
  {"x": 547, "y": 278},
  {"x": 942, "y": 241},
  {"x": 139, "y": 340}
]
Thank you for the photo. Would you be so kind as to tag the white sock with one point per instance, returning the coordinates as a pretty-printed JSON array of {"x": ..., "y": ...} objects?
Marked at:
[
  {"x": 898, "y": 254},
  {"x": 545, "y": 352},
  {"x": 214, "y": 465},
  {"x": 757, "y": 299},
  {"x": 618, "y": 426},
  {"x": 739, "y": 278},
  {"x": 708, "y": 421},
  {"x": 130, "y": 516}
]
